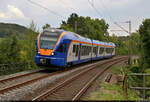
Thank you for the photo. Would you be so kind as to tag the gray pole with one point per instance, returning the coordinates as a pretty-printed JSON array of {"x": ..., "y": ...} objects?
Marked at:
[
  {"x": 144, "y": 87},
  {"x": 76, "y": 26},
  {"x": 129, "y": 32},
  {"x": 130, "y": 49}
]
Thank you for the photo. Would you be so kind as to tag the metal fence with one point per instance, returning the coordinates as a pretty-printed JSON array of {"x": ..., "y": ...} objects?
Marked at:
[{"x": 143, "y": 86}]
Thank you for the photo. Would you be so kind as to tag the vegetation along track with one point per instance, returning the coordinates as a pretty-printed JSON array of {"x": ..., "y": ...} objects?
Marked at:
[{"x": 74, "y": 87}]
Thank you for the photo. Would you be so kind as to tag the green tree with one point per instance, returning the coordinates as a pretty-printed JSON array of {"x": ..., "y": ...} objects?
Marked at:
[
  {"x": 121, "y": 44},
  {"x": 144, "y": 32},
  {"x": 87, "y": 27},
  {"x": 10, "y": 50},
  {"x": 29, "y": 46},
  {"x": 135, "y": 43},
  {"x": 46, "y": 26}
]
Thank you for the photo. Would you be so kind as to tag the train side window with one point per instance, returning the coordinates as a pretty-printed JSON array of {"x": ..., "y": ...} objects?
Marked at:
[
  {"x": 112, "y": 50},
  {"x": 101, "y": 50},
  {"x": 95, "y": 50},
  {"x": 77, "y": 50},
  {"x": 74, "y": 48},
  {"x": 107, "y": 50}
]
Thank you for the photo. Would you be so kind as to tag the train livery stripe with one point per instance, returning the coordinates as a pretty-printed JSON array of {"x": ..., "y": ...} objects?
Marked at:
[
  {"x": 47, "y": 51},
  {"x": 39, "y": 40},
  {"x": 91, "y": 43}
]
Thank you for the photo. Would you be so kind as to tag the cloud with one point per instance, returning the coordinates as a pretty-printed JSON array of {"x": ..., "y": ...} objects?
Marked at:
[
  {"x": 12, "y": 12},
  {"x": 15, "y": 12},
  {"x": 2, "y": 15}
]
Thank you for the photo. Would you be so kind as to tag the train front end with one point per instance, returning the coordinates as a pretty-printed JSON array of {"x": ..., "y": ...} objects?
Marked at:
[{"x": 48, "y": 45}]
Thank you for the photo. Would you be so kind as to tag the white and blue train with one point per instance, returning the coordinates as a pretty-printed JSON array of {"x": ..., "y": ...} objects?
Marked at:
[{"x": 56, "y": 47}]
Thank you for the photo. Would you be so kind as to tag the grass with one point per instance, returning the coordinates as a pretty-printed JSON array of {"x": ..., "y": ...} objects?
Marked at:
[
  {"x": 116, "y": 69},
  {"x": 112, "y": 92},
  {"x": 1, "y": 39}
]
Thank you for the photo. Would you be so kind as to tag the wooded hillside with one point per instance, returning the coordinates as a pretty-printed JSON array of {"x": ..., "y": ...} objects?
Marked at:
[{"x": 7, "y": 29}]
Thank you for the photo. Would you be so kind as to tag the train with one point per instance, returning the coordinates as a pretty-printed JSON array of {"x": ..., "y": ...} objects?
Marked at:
[{"x": 60, "y": 48}]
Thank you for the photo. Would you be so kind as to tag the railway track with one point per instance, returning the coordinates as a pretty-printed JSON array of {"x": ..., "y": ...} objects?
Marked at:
[
  {"x": 8, "y": 87},
  {"x": 74, "y": 87},
  {"x": 18, "y": 81},
  {"x": 9, "y": 84}
]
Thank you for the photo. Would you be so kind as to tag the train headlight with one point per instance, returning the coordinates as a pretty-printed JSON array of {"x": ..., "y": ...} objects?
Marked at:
[
  {"x": 52, "y": 30},
  {"x": 38, "y": 52},
  {"x": 53, "y": 53}
]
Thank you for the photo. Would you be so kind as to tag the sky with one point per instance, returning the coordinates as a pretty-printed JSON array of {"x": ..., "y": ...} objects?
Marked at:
[{"x": 23, "y": 12}]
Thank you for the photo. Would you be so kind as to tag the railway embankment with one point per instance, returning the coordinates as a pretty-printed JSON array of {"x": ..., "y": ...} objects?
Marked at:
[{"x": 115, "y": 86}]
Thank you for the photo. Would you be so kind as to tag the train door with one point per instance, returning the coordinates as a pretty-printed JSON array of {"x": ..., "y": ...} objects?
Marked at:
[
  {"x": 101, "y": 51},
  {"x": 104, "y": 54},
  {"x": 79, "y": 52},
  {"x": 73, "y": 52}
]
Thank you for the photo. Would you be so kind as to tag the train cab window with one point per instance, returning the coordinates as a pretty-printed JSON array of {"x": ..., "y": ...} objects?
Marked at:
[{"x": 62, "y": 48}]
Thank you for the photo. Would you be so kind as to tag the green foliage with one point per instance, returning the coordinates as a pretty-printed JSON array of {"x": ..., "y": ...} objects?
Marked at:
[
  {"x": 135, "y": 43},
  {"x": 144, "y": 31},
  {"x": 121, "y": 44},
  {"x": 18, "y": 54},
  {"x": 134, "y": 69},
  {"x": 87, "y": 27},
  {"x": 46, "y": 26},
  {"x": 29, "y": 46},
  {"x": 10, "y": 50},
  {"x": 147, "y": 83}
]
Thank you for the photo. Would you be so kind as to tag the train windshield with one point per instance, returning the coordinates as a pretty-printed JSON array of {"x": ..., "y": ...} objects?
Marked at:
[{"x": 48, "y": 40}]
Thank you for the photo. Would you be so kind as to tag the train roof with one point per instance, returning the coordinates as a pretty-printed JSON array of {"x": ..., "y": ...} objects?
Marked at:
[{"x": 74, "y": 36}]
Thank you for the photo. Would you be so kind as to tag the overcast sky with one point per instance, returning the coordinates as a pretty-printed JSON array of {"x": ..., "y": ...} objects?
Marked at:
[{"x": 23, "y": 12}]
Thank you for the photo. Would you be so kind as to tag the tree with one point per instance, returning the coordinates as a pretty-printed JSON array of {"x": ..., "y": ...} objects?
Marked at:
[
  {"x": 46, "y": 26},
  {"x": 121, "y": 44},
  {"x": 135, "y": 43},
  {"x": 144, "y": 32},
  {"x": 29, "y": 46},
  {"x": 86, "y": 26},
  {"x": 10, "y": 50}
]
